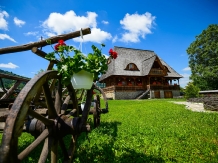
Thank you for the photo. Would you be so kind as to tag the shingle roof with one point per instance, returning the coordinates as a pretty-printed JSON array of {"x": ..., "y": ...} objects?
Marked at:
[{"x": 143, "y": 59}]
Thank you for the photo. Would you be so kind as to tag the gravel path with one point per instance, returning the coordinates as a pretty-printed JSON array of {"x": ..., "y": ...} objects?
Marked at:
[{"x": 198, "y": 107}]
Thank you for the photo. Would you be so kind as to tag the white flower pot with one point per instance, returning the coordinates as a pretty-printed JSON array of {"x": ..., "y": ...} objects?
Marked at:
[{"x": 82, "y": 80}]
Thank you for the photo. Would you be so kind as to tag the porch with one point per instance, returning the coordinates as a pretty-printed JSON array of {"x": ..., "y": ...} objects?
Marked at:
[{"x": 115, "y": 88}]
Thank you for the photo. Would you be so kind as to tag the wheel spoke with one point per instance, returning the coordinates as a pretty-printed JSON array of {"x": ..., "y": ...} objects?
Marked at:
[
  {"x": 32, "y": 146},
  {"x": 65, "y": 104},
  {"x": 52, "y": 86},
  {"x": 72, "y": 147},
  {"x": 45, "y": 150},
  {"x": 73, "y": 98},
  {"x": 40, "y": 117},
  {"x": 51, "y": 109},
  {"x": 64, "y": 149},
  {"x": 54, "y": 152},
  {"x": 58, "y": 98}
]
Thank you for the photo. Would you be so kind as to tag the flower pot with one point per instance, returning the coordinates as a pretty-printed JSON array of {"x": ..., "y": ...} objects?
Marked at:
[{"x": 82, "y": 80}]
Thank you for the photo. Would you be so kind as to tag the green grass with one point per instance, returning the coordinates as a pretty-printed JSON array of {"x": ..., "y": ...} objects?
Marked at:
[{"x": 148, "y": 131}]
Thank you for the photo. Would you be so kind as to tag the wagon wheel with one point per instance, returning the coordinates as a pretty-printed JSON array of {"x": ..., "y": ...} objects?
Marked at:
[
  {"x": 96, "y": 111},
  {"x": 53, "y": 127}
]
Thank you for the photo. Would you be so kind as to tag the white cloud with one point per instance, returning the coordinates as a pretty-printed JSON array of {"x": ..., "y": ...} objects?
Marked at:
[
  {"x": 31, "y": 33},
  {"x": 105, "y": 22},
  {"x": 50, "y": 34},
  {"x": 19, "y": 22},
  {"x": 5, "y": 36},
  {"x": 96, "y": 35},
  {"x": 58, "y": 23},
  {"x": 185, "y": 80},
  {"x": 114, "y": 39},
  {"x": 3, "y": 22},
  {"x": 136, "y": 26},
  {"x": 8, "y": 65},
  {"x": 186, "y": 69}
]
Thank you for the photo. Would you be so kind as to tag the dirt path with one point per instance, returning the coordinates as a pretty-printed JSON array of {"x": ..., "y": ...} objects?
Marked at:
[{"x": 198, "y": 107}]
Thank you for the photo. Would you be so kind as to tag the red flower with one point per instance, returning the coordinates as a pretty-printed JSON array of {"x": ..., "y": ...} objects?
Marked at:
[
  {"x": 93, "y": 92},
  {"x": 113, "y": 54},
  {"x": 60, "y": 43},
  {"x": 111, "y": 51}
]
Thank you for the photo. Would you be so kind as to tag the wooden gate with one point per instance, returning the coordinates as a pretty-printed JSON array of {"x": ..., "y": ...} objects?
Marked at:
[
  {"x": 156, "y": 94},
  {"x": 168, "y": 94}
]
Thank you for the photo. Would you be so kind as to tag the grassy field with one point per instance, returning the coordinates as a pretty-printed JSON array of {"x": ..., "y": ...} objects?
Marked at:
[{"x": 147, "y": 131}]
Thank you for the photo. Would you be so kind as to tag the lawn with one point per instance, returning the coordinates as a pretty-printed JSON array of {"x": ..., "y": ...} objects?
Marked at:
[{"x": 137, "y": 131}]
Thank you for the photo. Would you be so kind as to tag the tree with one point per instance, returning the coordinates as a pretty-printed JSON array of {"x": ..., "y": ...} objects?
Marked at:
[
  {"x": 191, "y": 91},
  {"x": 203, "y": 59},
  {"x": 40, "y": 71}
]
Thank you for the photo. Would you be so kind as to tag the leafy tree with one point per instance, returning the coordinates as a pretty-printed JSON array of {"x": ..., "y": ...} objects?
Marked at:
[
  {"x": 40, "y": 71},
  {"x": 191, "y": 91},
  {"x": 182, "y": 91},
  {"x": 203, "y": 59}
]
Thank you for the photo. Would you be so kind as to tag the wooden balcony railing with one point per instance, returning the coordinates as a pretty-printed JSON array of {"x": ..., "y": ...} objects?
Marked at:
[
  {"x": 124, "y": 88},
  {"x": 141, "y": 88},
  {"x": 156, "y": 72}
]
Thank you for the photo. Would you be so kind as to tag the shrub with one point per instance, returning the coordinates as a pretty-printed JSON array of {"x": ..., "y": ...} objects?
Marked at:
[{"x": 191, "y": 91}]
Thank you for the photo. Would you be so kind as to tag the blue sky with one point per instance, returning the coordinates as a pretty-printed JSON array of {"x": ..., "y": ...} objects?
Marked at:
[{"x": 165, "y": 26}]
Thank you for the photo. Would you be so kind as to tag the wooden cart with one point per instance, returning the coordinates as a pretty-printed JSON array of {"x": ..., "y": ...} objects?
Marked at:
[{"x": 48, "y": 111}]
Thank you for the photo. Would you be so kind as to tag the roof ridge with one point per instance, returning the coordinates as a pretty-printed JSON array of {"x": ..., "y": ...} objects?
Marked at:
[
  {"x": 149, "y": 57},
  {"x": 134, "y": 49}
]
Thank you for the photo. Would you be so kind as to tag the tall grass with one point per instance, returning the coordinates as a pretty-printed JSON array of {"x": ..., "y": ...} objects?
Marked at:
[{"x": 137, "y": 131}]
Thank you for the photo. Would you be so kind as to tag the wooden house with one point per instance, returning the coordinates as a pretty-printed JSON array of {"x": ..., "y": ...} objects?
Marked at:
[{"x": 139, "y": 74}]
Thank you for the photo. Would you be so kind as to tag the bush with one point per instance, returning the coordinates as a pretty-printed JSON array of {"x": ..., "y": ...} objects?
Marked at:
[{"x": 191, "y": 91}]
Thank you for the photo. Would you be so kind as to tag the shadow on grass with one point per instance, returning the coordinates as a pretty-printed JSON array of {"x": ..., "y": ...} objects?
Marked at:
[{"x": 105, "y": 151}]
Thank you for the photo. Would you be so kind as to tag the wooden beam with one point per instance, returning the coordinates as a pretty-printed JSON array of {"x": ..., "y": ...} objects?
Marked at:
[
  {"x": 13, "y": 77},
  {"x": 11, "y": 90},
  {"x": 43, "y": 43},
  {"x": 41, "y": 54}
]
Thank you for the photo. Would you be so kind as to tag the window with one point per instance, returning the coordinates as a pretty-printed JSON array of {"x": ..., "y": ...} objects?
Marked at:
[{"x": 131, "y": 67}]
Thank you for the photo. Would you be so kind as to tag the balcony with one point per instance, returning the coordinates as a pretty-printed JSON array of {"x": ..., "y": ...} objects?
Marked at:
[
  {"x": 123, "y": 88},
  {"x": 140, "y": 88},
  {"x": 156, "y": 72}
]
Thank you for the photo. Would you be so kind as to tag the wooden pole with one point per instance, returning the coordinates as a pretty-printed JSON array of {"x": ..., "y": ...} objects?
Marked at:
[
  {"x": 43, "y": 43},
  {"x": 11, "y": 90}
]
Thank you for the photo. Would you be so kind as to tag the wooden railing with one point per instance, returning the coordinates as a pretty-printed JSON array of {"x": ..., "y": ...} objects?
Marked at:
[
  {"x": 156, "y": 72},
  {"x": 141, "y": 88},
  {"x": 123, "y": 88}
]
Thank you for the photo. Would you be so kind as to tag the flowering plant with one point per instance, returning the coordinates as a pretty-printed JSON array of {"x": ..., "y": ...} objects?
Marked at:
[
  {"x": 113, "y": 54},
  {"x": 94, "y": 62}
]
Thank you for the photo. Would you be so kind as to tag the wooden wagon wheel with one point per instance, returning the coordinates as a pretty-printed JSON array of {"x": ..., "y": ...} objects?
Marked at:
[{"x": 53, "y": 127}]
